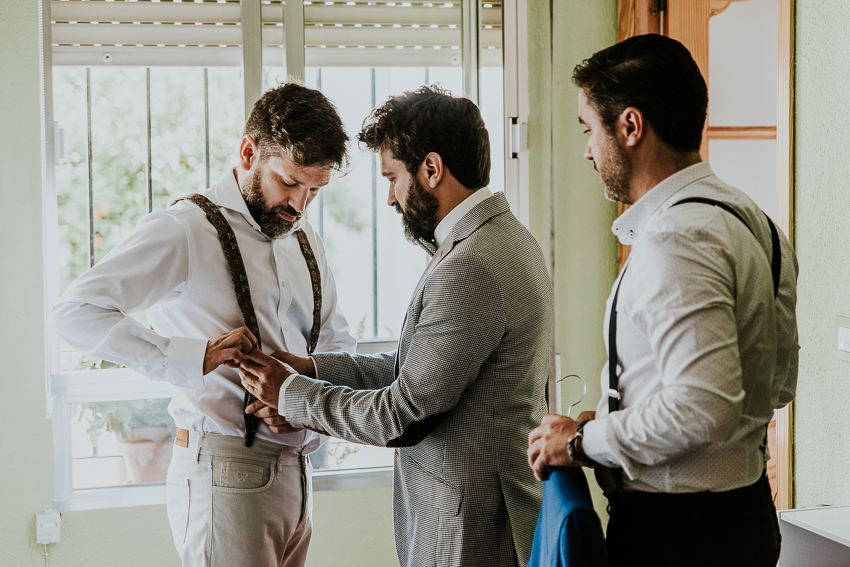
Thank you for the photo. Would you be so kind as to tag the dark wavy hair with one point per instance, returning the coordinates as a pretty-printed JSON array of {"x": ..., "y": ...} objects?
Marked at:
[
  {"x": 301, "y": 122},
  {"x": 430, "y": 119},
  {"x": 654, "y": 74}
]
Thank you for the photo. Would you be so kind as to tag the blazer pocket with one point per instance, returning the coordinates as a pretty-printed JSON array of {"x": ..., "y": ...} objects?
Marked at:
[{"x": 446, "y": 496}]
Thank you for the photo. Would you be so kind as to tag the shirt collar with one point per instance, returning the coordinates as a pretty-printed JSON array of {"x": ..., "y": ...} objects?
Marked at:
[
  {"x": 226, "y": 193},
  {"x": 450, "y": 220},
  {"x": 628, "y": 226}
]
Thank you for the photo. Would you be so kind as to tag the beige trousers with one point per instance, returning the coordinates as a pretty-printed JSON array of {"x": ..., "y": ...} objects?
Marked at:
[{"x": 235, "y": 506}]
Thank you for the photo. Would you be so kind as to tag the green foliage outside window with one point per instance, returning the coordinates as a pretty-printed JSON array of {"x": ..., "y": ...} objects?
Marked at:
[
  {"x": 119, "y": 152},
  {"x": 119, "y": 148}
]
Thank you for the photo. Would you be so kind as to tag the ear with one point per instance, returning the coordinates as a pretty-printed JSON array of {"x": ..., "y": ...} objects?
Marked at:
[
  {"x": 433, "y": 169},
  {"x": 249, "y": 153},
  {"x": 631, "y": 126}
]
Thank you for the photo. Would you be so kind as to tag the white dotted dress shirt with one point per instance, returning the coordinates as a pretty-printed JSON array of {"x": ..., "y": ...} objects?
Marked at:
[
  {"x": 173, "y": 267},
  {"x": 705, "y": 351}
]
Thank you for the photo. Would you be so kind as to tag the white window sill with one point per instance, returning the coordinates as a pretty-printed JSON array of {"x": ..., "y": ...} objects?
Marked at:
[
  {"x": 154, "y": 494},
  {"x": 122, "y": 383}
]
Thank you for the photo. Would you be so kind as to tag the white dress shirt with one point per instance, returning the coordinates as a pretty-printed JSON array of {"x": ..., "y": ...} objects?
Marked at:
[
  {"x": 173, "y": 267},
  {"x": 705, "y": 352},
  {"x": 441, "y": 232}
]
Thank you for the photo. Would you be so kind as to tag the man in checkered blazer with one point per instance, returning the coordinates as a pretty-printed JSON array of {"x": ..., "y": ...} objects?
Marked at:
[{"x": 466, "y": 385}]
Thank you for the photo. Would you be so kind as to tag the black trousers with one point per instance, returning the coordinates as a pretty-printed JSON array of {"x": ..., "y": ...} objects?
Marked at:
[{"x": 737, "y": 528}]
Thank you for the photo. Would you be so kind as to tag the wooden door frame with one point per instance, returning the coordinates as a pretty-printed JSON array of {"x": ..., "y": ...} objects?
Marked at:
[{"x": 687, "y": 21}]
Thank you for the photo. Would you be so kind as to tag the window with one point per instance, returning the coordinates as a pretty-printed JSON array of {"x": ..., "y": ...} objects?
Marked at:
[{"x": 149, "y": 99}]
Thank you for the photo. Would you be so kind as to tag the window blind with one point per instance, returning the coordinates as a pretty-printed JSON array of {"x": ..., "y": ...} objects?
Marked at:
[{"x": 208, "y": 32}]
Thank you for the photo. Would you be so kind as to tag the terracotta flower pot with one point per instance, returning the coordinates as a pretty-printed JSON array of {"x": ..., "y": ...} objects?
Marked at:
[{"x": 147, "y": 454}]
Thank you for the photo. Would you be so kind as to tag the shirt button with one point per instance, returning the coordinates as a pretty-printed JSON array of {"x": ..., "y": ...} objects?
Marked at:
[
  {"x": 257, "y": 227},
  {"x": 282, "y": 283},
  {"x": 632, "y": 233}
]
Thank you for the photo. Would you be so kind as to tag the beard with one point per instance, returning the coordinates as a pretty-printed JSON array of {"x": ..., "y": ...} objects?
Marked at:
[
  {"x": 616, "y": 172},
  {"x": 419, "y": 217},
  {"x": 271, "y": 224}
]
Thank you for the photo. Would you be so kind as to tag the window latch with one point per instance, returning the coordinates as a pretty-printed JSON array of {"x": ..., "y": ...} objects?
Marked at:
[
  {"x": 59, "y": 141},
  {"x": 517, "y": 137}
]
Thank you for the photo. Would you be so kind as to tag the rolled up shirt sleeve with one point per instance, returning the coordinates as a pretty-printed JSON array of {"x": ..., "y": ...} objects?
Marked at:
[{"x": 95, "y": 314}]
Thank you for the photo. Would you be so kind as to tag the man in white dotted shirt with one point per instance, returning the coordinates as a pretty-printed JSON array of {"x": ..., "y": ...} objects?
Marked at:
[{"x": 700, "y": 328}]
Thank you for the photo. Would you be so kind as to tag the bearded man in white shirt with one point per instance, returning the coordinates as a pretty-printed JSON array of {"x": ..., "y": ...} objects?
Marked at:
[
  {"x": 700, "y": 328},
  {"x": 232, "y": 500}
]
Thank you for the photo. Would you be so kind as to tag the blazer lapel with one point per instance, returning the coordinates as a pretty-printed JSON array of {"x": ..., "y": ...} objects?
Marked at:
[{"x": 467, "y": 225}]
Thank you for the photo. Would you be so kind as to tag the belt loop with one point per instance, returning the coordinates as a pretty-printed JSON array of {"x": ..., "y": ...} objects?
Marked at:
[{"x": 197, "y": 437}]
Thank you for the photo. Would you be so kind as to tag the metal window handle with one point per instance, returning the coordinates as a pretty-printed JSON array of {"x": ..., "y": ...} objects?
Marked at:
[
  {"x": 583, "y": 395},
  {"x": 517, "y": 137}
]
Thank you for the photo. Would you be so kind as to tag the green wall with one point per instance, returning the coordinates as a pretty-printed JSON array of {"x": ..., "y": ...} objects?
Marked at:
[
  {"x": 352, "y": 528},
  {"x": 585, "y": 249},
  {"x": 26, "y": 465},
  {"x": 822, "y": 234}
]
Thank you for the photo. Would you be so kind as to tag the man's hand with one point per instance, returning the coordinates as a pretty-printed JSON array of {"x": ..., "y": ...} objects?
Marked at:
[
  {"x": 586, "y": 416},
  {"x": 229, "y": 349},
  {"x": 263, "y": 376},
  {"x": 277, "y": 423},
  {"x": 303, "y": 365},
  {"x": 547, "y": 445}
]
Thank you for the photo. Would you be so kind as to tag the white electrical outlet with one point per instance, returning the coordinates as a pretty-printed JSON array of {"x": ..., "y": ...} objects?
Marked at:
[{"x": 47, "y": 526}]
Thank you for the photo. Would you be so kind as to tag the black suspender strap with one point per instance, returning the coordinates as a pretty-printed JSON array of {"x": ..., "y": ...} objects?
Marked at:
[
  {"x": 776, "y": 253},
  {"x": 236, "y": 267},
  {"x": 613, "y": 377},
  {"x": 612, "y": 479}
]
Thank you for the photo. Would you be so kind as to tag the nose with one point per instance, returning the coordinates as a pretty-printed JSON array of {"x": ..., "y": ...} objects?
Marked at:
[
  {"x": 587, "y": 153},
  {"x": 391, "y": 200},
  {"x": 298, "y": 198}
]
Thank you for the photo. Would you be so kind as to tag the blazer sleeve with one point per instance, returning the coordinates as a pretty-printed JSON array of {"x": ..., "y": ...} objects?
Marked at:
[
  {"x": 356, "y": 371},
  {"x": 461, "y": 323}
]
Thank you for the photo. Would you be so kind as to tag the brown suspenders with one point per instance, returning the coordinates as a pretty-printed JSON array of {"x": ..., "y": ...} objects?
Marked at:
[{"x": 236, "y": 266}]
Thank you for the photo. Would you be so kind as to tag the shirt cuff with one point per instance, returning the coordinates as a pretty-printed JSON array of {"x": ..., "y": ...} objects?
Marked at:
[
  {"x": 315, "y": 368},
  {"x": 186, "y": 362},
  {"x": 596, "y": 446},
  {"x": 281, "y": 401}
]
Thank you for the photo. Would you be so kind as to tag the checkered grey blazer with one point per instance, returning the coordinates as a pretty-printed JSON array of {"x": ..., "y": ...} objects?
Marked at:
[{"x": 458, "y": 399}]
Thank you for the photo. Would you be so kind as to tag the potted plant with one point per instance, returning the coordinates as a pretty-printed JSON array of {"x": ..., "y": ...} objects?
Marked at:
[{"x": 143, "y": 428}]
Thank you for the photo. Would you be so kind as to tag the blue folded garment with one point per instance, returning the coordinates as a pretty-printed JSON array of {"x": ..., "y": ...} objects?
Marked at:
[{"x": 569, "y": 533}]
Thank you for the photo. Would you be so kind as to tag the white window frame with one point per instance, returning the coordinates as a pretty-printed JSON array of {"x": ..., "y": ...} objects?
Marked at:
[{"x": 66, "y": 388}]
